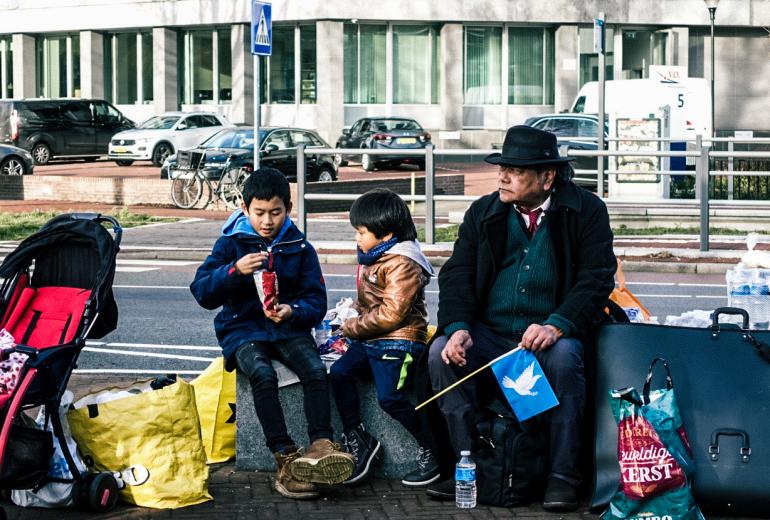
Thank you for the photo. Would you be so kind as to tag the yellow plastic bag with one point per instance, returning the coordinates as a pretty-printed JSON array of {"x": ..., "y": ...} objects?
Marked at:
[
  {"x": 151, "y": 437},
  {"x": 215, "y": 399}
]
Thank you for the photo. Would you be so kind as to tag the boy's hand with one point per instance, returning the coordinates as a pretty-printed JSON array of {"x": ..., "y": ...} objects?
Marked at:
[
  {"x": 251, "y": 262},
  {"x": 281, "y": 313}
]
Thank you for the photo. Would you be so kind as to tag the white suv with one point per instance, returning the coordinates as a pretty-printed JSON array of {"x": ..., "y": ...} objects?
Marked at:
[{"x": 160, "y": 136}]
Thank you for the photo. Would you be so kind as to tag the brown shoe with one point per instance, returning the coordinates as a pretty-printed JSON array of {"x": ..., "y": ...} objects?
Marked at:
[
  {"x": 285, "y": 484},
  {"x": 323, "y": 463}
]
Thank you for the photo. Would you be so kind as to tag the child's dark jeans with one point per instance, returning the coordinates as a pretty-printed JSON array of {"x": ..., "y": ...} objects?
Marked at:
[
  {"x": 388, "y": 363},
  {"x": 301, "y": 356}
]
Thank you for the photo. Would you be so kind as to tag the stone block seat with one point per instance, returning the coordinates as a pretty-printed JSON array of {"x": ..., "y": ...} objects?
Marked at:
[{"x": 399, "y": 448}]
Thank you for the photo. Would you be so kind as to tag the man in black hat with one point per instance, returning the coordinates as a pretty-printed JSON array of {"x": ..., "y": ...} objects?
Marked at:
[{"x": 533, "y": 266}]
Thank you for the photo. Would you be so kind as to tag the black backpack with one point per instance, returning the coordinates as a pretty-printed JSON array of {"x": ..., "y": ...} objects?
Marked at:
[{"x": 511, "y": 460}]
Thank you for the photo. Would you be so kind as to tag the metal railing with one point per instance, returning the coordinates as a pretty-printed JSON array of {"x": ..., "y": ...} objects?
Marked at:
[{"x": 702, "y": 153}]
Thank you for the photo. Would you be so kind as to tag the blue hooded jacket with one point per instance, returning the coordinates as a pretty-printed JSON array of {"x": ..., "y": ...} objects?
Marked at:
[{"x": 300, "y": 285}]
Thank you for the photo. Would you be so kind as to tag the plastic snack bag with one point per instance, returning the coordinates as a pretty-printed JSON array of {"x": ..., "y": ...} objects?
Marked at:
[
  {"x": 267, "y": 285},
  {"x": 654, "y": 455}
]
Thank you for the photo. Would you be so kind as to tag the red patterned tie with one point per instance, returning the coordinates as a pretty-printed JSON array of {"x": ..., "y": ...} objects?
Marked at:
[{"x": 532, "y": 215}]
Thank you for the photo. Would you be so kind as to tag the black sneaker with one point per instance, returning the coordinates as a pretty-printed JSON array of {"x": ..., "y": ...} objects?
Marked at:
[
  {"x": 364, "y": 448},
  {"x": 427, "y": 470},
  {"x": 560, "y": 495},
  {"x": 444, "y": 490}
]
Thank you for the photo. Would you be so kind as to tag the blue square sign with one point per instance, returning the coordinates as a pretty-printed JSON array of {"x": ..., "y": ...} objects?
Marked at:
[{"x": 261, "y": 28}]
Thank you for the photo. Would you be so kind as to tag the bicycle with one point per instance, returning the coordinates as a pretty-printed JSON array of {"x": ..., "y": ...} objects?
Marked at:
[{"x": 187, "y": 186}]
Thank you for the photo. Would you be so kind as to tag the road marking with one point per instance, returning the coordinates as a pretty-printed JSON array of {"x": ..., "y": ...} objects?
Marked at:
[
  {"x": 707, "y": 296},
  {"x": 119, "y": 269},
  {"x": 663, "y": 296},
  {"x": 155, "y": 262},
  {"x": 185, "y": 287},
  {"x": 652, "y": 283},
  {"x": 354, "y": 291},
  {"x": 151, "y": 345},
  {"x": 147, "y": 354},
  {"x": 130, "y": 371},
  {"x": 721, "y": 285}
]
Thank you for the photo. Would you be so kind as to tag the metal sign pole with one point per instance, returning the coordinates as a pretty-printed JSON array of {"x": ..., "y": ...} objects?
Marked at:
[
  {"x": 599, "y": 34},
  {"x": 257, "y": 111}
]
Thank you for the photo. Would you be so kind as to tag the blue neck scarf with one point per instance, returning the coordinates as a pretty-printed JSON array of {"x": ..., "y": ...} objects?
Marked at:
[{"x": 376, "y": 252}]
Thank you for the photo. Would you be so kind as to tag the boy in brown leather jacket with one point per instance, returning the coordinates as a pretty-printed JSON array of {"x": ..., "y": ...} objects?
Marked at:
[{"x": 389, "y": 332}]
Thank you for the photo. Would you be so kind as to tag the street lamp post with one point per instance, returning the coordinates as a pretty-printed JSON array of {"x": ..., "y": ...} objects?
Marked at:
[{"x": 712, "y": 7}]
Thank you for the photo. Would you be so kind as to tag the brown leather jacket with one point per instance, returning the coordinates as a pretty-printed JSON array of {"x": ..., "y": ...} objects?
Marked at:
[{"x": 391, "y": 301}]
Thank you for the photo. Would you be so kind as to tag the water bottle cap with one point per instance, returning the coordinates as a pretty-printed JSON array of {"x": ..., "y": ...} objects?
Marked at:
[{"x": 465, "y": 453}]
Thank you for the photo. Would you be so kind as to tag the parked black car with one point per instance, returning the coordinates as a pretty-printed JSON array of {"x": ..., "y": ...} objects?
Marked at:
[
  {"x": 392, "y": 133},
  {"x": 569, "y": 128},
  {"x": 58, "y": 128},
  {"x": 278, "y": 149},
  {"x": 15, "y": 161}
]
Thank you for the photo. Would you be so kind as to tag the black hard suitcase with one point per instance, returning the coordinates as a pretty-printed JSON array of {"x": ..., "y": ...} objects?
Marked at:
[{"x": 723, "y": 390}]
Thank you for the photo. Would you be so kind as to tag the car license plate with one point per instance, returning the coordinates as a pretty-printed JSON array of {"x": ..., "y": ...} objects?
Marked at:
[
  {"x": 406, "y": 140},
  {"x": 120, "y": 149}
]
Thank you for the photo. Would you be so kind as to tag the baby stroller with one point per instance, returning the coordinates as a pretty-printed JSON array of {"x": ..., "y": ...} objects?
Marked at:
[{"x": 55, "y": 291}]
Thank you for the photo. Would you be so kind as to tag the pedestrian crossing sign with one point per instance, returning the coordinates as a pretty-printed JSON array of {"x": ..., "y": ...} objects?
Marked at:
[{"x": 261, "y": 28}]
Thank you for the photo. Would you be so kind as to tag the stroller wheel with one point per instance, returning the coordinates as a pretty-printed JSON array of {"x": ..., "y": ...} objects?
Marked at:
[{"x": 102, "y": 492}]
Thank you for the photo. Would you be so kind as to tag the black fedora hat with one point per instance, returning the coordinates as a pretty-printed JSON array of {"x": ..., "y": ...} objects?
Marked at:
[{"x": 527, "y": 146}]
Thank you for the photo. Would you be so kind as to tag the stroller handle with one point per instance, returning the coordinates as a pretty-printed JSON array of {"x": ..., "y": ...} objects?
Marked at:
[{"x": 98, "y": 217}]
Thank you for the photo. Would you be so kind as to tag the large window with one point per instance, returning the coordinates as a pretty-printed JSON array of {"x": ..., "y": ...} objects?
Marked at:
[
  {"x": 6, "y": 67},
  {"x": 642, "y": 48},
  {"x": 483, "y": 65},
  {"x": 364, "y": 68},
  {"x": 530, "y": 66},
  {"x": 589, "y": 60},
  {"x": 289, "y": 73},
  {"x": 415, "y": 64},
  {"x": 207, "y": 71},
  {"x": 128, "y": 68},
  {"x": 58, "y": 66}
]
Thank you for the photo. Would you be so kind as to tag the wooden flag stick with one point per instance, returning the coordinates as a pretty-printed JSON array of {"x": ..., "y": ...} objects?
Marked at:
[{"x": 464, "y": 379}]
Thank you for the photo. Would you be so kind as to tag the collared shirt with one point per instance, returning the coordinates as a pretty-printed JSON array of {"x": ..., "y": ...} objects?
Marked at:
[{"x": 544, "y": 207}]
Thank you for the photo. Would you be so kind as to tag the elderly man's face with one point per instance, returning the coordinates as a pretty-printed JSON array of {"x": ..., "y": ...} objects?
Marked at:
[{"x": 524, "y": 186}]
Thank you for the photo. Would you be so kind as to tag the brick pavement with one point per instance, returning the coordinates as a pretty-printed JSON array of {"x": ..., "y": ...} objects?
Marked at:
[{"x": 245, "y": 494}]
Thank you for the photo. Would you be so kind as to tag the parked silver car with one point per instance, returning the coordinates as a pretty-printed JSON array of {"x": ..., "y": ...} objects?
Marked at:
[{"x": 161, "y": 136}]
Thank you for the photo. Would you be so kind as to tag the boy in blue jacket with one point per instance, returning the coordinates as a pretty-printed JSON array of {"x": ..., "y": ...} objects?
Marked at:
[{"x": 251, "y": 334}]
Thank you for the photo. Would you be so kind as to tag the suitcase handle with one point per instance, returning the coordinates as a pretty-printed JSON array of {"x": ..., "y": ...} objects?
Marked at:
[
  {"x": 727, "y": 310},
  {"x": 648, "y": 380},
  {"x": 745, "y": 450}
]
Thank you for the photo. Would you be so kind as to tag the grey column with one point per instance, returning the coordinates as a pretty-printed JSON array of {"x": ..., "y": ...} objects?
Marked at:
[
  {"x": 242, "y": 111},
  {"x": 164, "y": 80},
  {"x": 681, "y": 36},
  {"x": 91, "y": 65},
  {"x": 617, "y": 66},
  {"x": 566, "y": 73},
  {"x": 329, "y": 73},
  {"x": 451, "y": 77},
  {"x": 24, "y": 61}
]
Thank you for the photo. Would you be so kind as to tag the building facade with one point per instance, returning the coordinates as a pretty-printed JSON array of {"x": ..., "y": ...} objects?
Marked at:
[{"x": 466, "y": 70}]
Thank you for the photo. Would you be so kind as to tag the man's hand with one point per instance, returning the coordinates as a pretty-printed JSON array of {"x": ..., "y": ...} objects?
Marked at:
[
  {"x": 247, "y": 264},
  {"x": 454, "y": 350},
  {"x": 281, "y": 313},
  {"x": 540, "y": 337}
]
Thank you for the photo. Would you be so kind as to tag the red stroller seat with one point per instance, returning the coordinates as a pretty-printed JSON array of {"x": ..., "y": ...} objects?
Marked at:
[{"x": 45, "y": 317}]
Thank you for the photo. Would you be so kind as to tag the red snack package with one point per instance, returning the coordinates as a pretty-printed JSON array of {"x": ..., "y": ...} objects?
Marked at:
[{"x": 267, "y": 287}]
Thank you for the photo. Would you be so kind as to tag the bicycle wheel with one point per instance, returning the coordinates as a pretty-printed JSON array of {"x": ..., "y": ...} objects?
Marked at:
[
  {"x": 230, "y": 188},
  {"x": 186, "y": 191}
]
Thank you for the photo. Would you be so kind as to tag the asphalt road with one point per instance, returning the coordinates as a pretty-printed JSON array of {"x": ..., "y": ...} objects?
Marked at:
[{"x": 162, "y": 329}]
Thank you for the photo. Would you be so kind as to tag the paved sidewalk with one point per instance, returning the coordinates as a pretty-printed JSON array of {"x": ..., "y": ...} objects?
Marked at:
[{"x": 245, "y": 494}]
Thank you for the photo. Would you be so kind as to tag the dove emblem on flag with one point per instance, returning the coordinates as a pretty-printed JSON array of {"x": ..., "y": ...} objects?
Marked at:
[{"x": 524, "y": 383}]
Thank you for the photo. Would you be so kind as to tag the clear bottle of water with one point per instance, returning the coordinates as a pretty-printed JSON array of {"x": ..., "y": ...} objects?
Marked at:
[
  {"x": 321, "y": 334},
  {"x": 465, "y": 481}
]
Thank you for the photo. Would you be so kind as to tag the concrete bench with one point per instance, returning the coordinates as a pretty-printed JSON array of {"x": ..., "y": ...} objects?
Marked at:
[{"x": 399, "y": 448}]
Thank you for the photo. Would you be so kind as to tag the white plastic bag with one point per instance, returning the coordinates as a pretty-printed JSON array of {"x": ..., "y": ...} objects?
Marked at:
[
  {"x": 342, "y": 311},
  {"x": 54, "y": 494}
]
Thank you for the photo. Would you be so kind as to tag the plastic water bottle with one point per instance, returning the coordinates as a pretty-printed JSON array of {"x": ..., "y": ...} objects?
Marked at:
[
  {"x": 465, "y": 481},
  {"x": 321, "y": 334}
]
